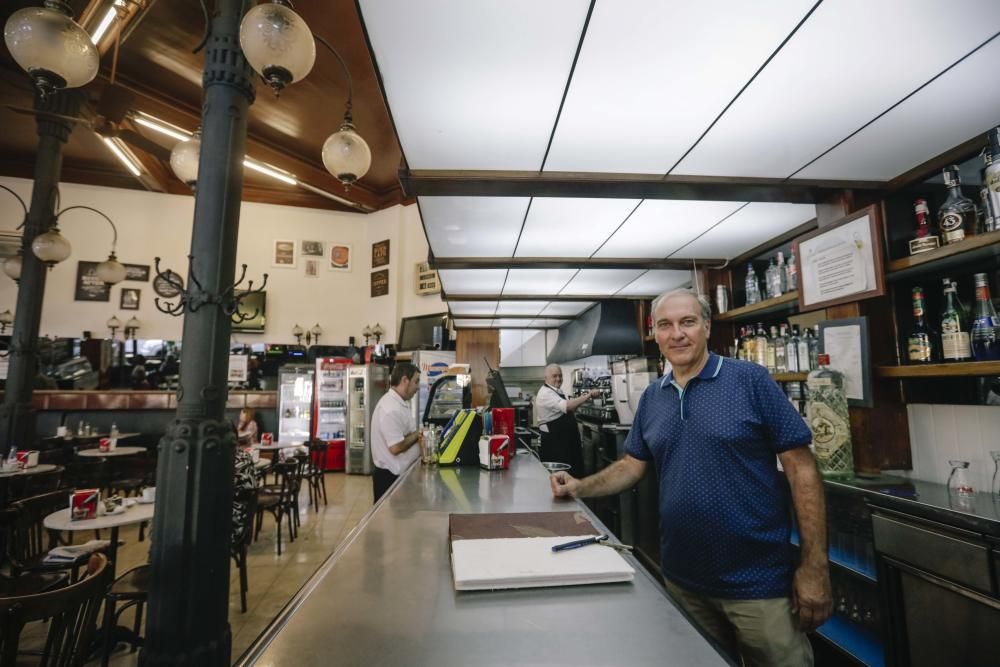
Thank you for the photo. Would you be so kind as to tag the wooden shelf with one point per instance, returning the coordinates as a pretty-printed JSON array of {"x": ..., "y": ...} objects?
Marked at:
[
  {"x": 788, "y": 301},
  {"x": 957, "y": 369},
  {"x": 980, "y": 246},
  {"x": 789, "y": 377}
]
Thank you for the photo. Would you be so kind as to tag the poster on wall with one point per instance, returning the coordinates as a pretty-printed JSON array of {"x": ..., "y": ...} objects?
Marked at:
[
  {"x": 340, "y": 257},
  {"x": 129, "y": 299},
  {"x": 380, "y": 283},
  {"x": 312, "y": 268},
  {"x": 238, "y": 367},
  {"x": 284, "y": 254},
  {"x": 380, "y": 253},
  {"x": 168, "y": 284},
  {"x": 137, "y": 272},
  {"x": 312, "y": 249},
  {"x": 88, "y": 286}
]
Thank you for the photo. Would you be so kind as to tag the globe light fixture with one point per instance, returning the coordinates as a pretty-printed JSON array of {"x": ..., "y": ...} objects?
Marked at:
[
  {"x": 111, "y": 271},
  {"x": 6, "y": 319},
  {"x": 346, "y": 155},
  {"x": 297, "y": 332},
  {"x": 51, "y": 247},
  {"x": 12, "y": 267},
  {"x": 51, "y": 47},
  {"x": 184, "y": 159},
  {"x": 315, "y": 332},
  {"x": 114, "y": 324},
  {"x": 131, "y": 327},
  {"x": 278, "y": 44}
]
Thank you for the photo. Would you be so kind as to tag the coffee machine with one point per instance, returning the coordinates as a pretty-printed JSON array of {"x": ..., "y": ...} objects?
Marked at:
[{"x": 601, "y": 408}]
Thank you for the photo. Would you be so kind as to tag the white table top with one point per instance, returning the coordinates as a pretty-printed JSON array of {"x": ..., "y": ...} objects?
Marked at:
[
  {"x": 94, "y": 436},
  {"x": 278, "y": 445},
  {"x": 136, "y": 514},
  {"x": 41, "y": 467},
  {"x": 117, "y": 451}
]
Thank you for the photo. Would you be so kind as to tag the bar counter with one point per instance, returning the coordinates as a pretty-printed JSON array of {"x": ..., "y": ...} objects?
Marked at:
[{"x": 385, "y": 597}]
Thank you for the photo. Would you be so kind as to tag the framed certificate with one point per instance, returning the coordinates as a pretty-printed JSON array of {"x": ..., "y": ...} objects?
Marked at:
[{"x": 842, "y": 262}]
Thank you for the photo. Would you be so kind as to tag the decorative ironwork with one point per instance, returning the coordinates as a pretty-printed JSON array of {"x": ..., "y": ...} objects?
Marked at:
[{"x": 195, "y": 296}]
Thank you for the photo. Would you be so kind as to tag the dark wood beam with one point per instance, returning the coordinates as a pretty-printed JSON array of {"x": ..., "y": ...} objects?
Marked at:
[
  {"x": 932, "y": 167},
  {"x": 440, "y": 263},
  {"x": 513, "y": 317},
  {"x": 623, "y": 186}
]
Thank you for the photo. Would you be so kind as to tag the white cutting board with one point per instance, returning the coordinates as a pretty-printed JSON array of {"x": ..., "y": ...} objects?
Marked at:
[{"x": 529, "y": 562}]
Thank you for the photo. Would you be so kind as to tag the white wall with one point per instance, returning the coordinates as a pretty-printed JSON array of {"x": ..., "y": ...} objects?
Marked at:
[
  {"x": 151, "y": 224},
  {"x": 942, "y": 432}
]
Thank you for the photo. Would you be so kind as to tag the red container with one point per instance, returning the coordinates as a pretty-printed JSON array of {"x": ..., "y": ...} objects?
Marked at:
[
  {"x": 335, "y": 456},
  {"x": 503, "y": 422},
  {"x": 494, "y": 452},
  {"x": 83, "y": 504}
]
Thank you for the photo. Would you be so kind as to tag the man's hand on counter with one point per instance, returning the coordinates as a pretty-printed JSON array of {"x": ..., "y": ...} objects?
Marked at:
[
  {"x": 563, "y": 484},
  {"x": 617, "y": 477}
]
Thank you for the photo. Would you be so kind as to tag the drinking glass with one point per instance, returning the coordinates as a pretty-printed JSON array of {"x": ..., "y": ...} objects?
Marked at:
[
  {"x": 958, "y": 480},
  {"x": 995, "y": 487}
]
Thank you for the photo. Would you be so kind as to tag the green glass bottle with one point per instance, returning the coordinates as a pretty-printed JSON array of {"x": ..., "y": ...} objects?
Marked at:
[{"x": 828, "y": 419}]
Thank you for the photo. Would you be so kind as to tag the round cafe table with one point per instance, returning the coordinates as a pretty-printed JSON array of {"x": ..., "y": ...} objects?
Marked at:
[
  {"x": 117, "y": 451},
  {"x": 40, "y": 468},
  {"x": 135, "y": 514}
]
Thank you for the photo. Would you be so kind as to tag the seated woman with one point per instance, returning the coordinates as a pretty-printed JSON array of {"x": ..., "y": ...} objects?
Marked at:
[{"x": 246, "y": 430}]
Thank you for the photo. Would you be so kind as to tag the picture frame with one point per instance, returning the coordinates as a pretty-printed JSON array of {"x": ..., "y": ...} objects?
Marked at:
[
  {"x": 129, "y": 298},
  {"x": 842, "y": 262},
  {"x": 283, "y": 255},
  {"x": 340, "y": 257},
  {"x": 138, "y": 273},
  {"x": 380, "y": 254},
  {"x": 380, "y": 283},
  {"x": 89, "y": 287},
  {"x": 164, "y": 284},
  {"x": 312, "y": 268},
  {"x": 849, "y": 347},
  {"x": 313, "y": 249}
]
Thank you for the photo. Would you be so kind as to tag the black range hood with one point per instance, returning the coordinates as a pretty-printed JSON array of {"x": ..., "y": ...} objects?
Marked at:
[{"x": 609, "y": 327}]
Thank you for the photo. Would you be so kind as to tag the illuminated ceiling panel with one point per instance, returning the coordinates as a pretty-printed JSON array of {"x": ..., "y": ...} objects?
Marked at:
[
  {"x": 472, "y": 281},
  {"x": 472, "y": 226},
  {"x": 751, "y": 226},
  {"x": 601, "y": 281},
  {"x": 566, "y": 307},
  {"x": 537, "y": 281},
  {"x": 570, "y": 227},
  {"x": 659, "y": 227},
  {"x": 459, "y": 308},
  {"x": 654, "y": 283},
  {"x": 521, "y": 307}
]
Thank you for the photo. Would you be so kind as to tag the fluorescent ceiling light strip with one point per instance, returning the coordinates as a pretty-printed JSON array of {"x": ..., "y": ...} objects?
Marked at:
[
  {"x": 329, "y": 195},
  {"x": 120, "y": 154},
  {"x": 162, "y": 127},
  {"x": 268, "y": 170},
  {"x": 104, "y": 25}
]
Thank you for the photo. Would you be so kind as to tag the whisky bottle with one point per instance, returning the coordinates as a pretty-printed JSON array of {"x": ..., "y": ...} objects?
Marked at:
[
  {"x": 991, "y": 175},
  {"x": 780, "y": 363},
  {"x": 954, "y": 331},
  {"x": 957, "y": 215},
  {"x": 985, "y": 334},
  {"x": 829, "y": 421},
  {"x": 924, "y": 239},
  {"x": 772, "y": 344},
  {"x": 920, "y": 341}
]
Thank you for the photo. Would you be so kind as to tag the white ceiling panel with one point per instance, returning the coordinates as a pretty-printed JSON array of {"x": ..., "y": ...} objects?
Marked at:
[
  {"x": 848, "y": 63},
  {"x": 601, "y": 281},
  {"x": 509, "y": 323},
  {"x": 521, "y": 307},
  {"x": 566, "y": 307},
  {"x": 472, "y": 281},
  {"x": 472, "y": 226},
  {"x": 474, "y": 85},
  {"x": 570, "y": 227},
  {"x": 459, "y": 308},
  {"x": 659, "y": 227},
  {"x": 472, "y": 324},
  {"x": 748, "y": 228},
  {"x": 544, "y": 322},
  {"x": 660, "y": 71},
  {"x": 537, "y": 281},
  {"x": 926, "y": 125},
  {"x": 653, "y": 283}
]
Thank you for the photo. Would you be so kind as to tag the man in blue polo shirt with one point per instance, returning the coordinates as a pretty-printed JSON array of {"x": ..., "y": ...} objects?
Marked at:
[{"x": 712, "y": 428}]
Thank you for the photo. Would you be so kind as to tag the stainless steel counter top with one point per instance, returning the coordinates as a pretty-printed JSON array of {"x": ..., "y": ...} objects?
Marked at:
[{"x": 385, "y": 597}]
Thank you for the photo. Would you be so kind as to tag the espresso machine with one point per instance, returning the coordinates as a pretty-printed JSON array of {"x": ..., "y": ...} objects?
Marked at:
[{"x": 600, "y": 408}]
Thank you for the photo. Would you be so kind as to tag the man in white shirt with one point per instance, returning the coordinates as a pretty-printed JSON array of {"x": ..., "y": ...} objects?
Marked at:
[
  {"x": 560, "y": 436},
  {"x": 394, "y": 432}
]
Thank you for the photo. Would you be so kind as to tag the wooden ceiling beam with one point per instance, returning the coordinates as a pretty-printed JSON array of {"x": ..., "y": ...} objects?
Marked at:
[
  {"x": 619, "y": 186},
  {"x": 440, "y": 263}
]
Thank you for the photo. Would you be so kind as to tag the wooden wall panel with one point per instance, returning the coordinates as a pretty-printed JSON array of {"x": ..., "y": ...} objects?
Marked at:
[{"x": 472, "y": 346}]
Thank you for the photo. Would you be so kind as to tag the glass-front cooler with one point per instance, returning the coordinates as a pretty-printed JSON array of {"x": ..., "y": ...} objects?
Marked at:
[
  {"x": 448, "y": 394},
  {"x": 365, "y": 386},
  {"x": 330, "y": 410},
  {"x": 295, "y": 402}
]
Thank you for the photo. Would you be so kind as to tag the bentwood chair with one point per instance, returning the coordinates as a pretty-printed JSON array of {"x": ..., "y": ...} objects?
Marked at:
[
  {"x": 30, "y": 541},
  {"x": 316, "y": 472},
  {"x": 243, "y": 530},
  {"x": 132, "y": 590},
  {"x": 71, "y": 613},
  {"x": 280, "y": 499}
]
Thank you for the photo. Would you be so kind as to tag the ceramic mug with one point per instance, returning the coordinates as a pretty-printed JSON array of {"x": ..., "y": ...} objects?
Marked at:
[{"x": 149, "y": 494}]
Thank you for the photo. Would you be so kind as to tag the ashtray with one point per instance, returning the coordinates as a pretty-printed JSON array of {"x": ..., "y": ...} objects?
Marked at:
[{"x": 555, "y": 466}]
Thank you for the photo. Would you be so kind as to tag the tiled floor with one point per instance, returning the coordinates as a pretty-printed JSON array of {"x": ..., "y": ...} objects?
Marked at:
[{"x": 273, "y": 579}]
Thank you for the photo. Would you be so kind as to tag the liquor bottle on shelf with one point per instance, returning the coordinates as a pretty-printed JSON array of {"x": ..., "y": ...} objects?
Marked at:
[
  {"x": 772, "y": 351},
  {"x": 649, "y": 324},
  {"x": 985, "y": 332},
  {"x": 990, "y": 218},
  {"x": 782, "y": 274},
  {"x": 773, "y": 280},
  {"x": 924, "y": 239},
  {"x": 920, "y": 348},
  {"x": 814, "y": 349},
  {"x": 954, "y": 330},
  {"x": 793, "y": 271},
  {"x": 792, "y": 350},
  {"x": 962, "y": 310},
  {"x": 760, "y": 346},
  {"x": 803, "y": 355},
  {"x": 753, "y": 292},
  {"x": 957, "y": 215},
  {"x": 780, "y": 351},
  {"x": 829, "y": 421},
  {"x": 991, "y": 175}
]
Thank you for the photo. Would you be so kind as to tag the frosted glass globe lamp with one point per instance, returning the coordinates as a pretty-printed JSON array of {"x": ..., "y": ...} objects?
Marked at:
[
  {"x": 184, "y": 159},
  {"x": 111, "y": 271},
  {"x": 51, "y": 247},
  {"x": 278, "y": 44},
  {"x": 52, "y": 48},
  {"x": 346, "y": 155}
]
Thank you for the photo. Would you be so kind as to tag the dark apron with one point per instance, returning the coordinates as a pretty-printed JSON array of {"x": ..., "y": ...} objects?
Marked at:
[{"x": 562, "y": 442}]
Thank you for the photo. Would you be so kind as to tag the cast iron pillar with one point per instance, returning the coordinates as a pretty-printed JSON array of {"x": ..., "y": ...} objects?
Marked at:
[
  {"x": 17, "y": 417},
  {"x": 189, "y": 581}
]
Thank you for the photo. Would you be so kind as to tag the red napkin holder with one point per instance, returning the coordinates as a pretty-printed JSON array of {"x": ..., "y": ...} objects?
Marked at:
[{"x": 83, "y": 504}]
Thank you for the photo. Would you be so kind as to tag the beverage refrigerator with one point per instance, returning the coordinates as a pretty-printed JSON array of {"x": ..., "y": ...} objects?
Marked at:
[
  {"x": 432, "y": 364},
  {"x": 366, "y": 384},
  {"x": 330, "y": 408},
  {"x": 295, "y": 402}
]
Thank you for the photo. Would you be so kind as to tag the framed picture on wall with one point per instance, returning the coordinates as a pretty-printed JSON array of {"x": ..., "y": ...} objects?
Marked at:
[
  {"x": 380, "y": 253},
  {"x": 89, "y": 287},
  {"x": 137, "y": 272},
  {"x": 129, "y": 299},
  {"x": 312, "y": 249},
  {"x": 340, "y": 257},
  {"x": 380, "y": 283},
  {"x": 283, "y": 255},
  {"x": 312, "y": 268}
]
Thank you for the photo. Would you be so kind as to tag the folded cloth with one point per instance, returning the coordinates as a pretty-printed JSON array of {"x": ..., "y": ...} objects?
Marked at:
[{"x": 70, "y": 553}]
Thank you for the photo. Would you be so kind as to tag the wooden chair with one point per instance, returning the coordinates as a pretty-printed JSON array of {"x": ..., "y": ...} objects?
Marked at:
[
  {"x": 281, "y": 499},
  {"x": 242, "y": 537},
  {"x": 13, "y": 581},
  {"x": 29, "y": 540},
  {"x": 316, "y": 472},
  {"x": 71, "y": 613},
  {"x": 132, "y": 589}
]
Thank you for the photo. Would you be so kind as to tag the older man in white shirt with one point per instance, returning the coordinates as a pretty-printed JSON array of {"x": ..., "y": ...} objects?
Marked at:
[
  {"x": 394, "y": 431},
  {"x": 560, "y": 436}
]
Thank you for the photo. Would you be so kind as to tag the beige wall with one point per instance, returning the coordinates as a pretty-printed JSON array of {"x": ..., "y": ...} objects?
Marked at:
[{"x": 151, "y": 224}]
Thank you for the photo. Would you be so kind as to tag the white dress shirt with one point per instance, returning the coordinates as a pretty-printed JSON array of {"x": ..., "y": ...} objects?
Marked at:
[
  {"x": 392, "y": 421},
  {"x": 549, "y": 406}
]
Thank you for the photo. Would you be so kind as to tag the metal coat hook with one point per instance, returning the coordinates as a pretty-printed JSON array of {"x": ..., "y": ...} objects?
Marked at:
[{"x": 195, "y": 296}]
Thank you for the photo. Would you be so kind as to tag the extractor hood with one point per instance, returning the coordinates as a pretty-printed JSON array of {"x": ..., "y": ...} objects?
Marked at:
[{"x": 609, "y": 327}]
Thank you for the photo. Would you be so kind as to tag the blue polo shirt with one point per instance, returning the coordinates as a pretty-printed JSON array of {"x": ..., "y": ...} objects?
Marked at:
[{"x": 725, "y": 512}]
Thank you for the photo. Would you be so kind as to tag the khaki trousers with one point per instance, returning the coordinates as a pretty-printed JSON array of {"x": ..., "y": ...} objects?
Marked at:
[{"x": 763, "y": 633}]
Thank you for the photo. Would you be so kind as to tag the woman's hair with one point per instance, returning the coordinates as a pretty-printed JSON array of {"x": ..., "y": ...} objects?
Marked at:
[{"x": 248, "y": 413}]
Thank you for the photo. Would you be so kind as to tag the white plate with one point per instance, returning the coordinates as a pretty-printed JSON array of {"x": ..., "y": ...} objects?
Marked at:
[
  {"x": 129, "y": 502},
  {"x": 143, "y": 501}
]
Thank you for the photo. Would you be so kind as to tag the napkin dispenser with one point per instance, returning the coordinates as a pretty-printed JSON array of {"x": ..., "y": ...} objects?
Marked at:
[
  {"x": 27, "y": 458},
  {"x": 83, "y": 504},
  {"x": 494, "y": 452}
]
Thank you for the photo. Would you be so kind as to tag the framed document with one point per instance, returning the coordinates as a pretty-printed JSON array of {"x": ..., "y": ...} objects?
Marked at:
[
  {"x": 841, "y": 262},
  {"x": 846, "y": 341},
  {"x": 89, "y": 287}
]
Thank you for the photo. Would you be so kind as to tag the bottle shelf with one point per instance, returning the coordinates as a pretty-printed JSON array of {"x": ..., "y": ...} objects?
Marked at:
[
  {"x": 980, "y": 246},
  {"x": 845, "y": 561},
  {"x": 786, "y": 302},
  {"x": 956, "y": 369},
  {"x": 789, "y": 377},
  {"x": 862, "y": 644}
]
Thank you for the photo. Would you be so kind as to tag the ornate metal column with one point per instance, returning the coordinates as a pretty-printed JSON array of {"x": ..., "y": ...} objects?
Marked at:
[
  {"x": 17, "y": 418},
  {"x": 189, "y": 586}
]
